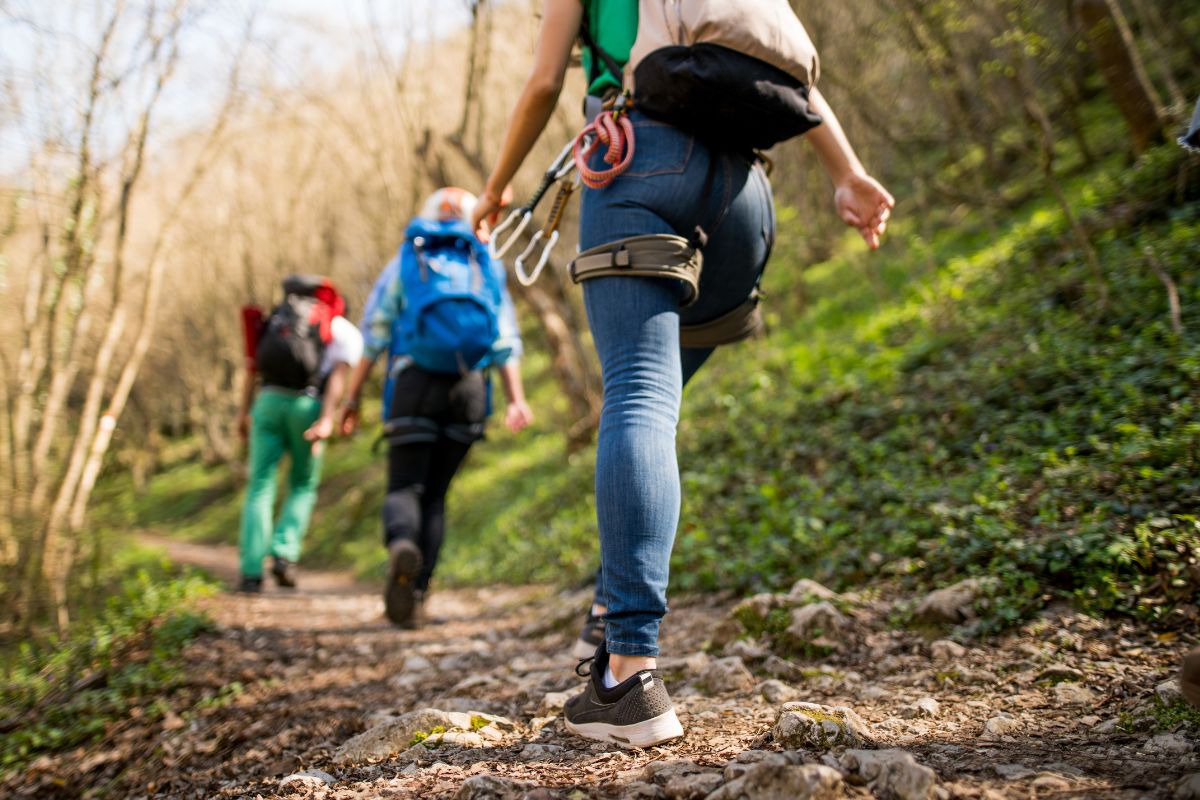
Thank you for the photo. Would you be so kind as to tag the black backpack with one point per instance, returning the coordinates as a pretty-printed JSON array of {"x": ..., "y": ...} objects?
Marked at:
[{"x": 290, "y": 347}]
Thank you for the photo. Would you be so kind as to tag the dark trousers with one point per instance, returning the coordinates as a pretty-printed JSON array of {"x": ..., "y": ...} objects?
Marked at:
[{"x": 434, "y": 420}]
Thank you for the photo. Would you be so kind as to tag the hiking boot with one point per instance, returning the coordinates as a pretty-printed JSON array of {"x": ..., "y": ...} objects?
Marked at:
[
  {"x": 637, "y": 712},
  {"x": 284, "y": 572},
  {"x": 250, "y": 585},
  {"x": 1189, "y": 677},
  {"x": 590, "y": 637},
  {"x": 400, "y": 594}
]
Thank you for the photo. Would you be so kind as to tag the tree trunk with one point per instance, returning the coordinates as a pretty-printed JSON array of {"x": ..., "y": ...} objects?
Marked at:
[{"x": 1116, "y": 53}]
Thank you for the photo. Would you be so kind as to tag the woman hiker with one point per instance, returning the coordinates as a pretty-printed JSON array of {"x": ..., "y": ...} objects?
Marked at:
[
  {"x": 435, "y": 408},
  {"x": 674, "y": 183}
]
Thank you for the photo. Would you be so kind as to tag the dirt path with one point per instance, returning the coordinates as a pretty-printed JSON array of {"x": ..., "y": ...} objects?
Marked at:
[{"x": 1066, "y": 707}]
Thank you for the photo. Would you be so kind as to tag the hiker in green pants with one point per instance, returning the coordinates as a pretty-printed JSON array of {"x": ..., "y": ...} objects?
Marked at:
[{"x": 303, "y": 353}]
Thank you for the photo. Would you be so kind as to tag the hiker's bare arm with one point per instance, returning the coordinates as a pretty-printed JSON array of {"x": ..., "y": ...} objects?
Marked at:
[
  {"x": 335, "y": 385},
  {"x": 249, "y": 387},
  {"x": 348, "y": 423},
  {"x": 560, "y": 28},
  {"x": 861, "y": 201},
  {"x": 518, "y": 415}
]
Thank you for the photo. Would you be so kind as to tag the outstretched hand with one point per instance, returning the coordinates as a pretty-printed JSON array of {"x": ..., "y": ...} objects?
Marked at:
[
  {"x": 319, "y": 431},
  {"x": 348, "y": 424},
  {"x": 863, "y": 203},
  {"x": 518, "y": 416},
  {"x": 486, "y": 213}
]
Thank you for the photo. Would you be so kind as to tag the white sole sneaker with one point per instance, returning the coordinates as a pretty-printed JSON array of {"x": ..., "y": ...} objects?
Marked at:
[{"x": 647, "y": 733}]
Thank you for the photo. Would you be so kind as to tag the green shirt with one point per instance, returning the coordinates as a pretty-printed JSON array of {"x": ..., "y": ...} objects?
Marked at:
[{"x": 613, "y": 25}]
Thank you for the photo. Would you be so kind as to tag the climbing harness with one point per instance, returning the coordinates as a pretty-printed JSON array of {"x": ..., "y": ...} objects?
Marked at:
[{"x": 613, "y": 129}]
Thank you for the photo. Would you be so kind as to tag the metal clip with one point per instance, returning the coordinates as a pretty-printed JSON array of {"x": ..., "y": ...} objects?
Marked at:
[{"x": 528, "y": 279}]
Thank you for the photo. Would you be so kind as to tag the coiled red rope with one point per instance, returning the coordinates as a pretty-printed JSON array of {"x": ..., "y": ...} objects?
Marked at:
[{"x": 614, "y": 130}]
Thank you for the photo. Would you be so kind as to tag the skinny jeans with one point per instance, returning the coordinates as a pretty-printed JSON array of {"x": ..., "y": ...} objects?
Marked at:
[{"x": 635, "y": 326}]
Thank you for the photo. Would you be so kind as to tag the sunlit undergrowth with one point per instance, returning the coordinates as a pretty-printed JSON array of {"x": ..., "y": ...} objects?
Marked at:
[{"x": 62, "y": 692}]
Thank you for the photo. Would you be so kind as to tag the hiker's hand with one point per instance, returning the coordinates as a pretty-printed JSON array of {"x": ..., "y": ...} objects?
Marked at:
[
  {"x": 243, "y": 426},
  {"x": 321, "y": 430},
  {"x": 487, "y": 211},
  {"x": 518, "y": 416},
  {"x": 863, "y": 203},
  {"x": 349, "y": 422}
]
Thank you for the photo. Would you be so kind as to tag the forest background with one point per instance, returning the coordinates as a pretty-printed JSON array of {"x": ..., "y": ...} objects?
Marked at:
[{"x": 1007, "y": 393}]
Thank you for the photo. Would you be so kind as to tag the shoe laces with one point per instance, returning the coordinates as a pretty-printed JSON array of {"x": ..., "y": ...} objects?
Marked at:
[{"x": 580, "y": 667}]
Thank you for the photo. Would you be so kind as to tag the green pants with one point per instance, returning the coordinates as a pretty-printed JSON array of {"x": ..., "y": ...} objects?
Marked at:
[{"x": 278, "y": 422}]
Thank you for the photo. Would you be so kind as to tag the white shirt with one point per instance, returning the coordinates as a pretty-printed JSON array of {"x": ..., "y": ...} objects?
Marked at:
[{"x": 345, "y": 346}]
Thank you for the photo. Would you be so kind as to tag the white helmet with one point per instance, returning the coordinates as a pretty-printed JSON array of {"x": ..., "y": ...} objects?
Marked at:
[{"x": 449, "y": 205}]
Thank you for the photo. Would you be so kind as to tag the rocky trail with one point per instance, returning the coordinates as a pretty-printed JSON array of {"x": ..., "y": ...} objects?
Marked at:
[{"x": 808, "y": 695}]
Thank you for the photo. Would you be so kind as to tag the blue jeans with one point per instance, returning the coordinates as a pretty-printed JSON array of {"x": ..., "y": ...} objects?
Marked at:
[{"x": 635, "y": 325}]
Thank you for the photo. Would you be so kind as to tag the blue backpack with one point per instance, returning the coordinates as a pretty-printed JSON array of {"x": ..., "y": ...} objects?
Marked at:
[{"x": 452, "y": 296}]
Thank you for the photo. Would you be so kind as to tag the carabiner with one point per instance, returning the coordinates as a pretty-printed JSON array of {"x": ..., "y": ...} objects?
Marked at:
[
  {"x": 528, "y": 279},
  {"x": 523, "y": 216}
]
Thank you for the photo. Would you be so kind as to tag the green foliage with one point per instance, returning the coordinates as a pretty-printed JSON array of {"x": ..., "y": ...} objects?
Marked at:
[{"x": 65, "y": 692}]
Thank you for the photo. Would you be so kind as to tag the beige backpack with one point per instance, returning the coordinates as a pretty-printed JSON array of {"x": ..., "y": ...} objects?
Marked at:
[{"x": 736, "y": 72}]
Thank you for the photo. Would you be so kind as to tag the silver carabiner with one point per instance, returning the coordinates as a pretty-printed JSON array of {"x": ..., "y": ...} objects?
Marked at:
[
  {"x": 528, "y": 279},
  {"x": 521, "y": 217}
]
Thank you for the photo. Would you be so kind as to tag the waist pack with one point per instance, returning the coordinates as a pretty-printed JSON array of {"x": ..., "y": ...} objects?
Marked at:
[
  {"x": 292, "y": 341},
  {"x": 450, "y": 318},
  {"x": 735, "y": 73}
]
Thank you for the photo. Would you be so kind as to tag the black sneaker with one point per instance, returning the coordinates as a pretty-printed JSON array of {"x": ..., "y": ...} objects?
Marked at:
[
  {"x": 590, "y": 637},
  {"x": 400, "y": 595},
  {"x": 637, "y": 712},
  {"x": 250, "y": 585},
  {"x": 284, "y": 572}
]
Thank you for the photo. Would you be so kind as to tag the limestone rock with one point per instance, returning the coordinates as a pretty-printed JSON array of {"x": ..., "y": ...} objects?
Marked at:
[
  {"x": 692, "y": 787},
  {"x": 815, "y": 622},
  {"x": 944, "y": 650},
  {"x": 892, "y": 773},
  {"x": 952, "y": 604},
  {"x": 926, "y": 707},
  {"x": 811, "y": 726},
  {"x": 726, "y": 675},
  {"x": 1170, "y": 744},
  {"x": 489, "y": 787},
  {"x": 747, "y": 650},
  {"x": 535, "y": 751},
  {"x": 682, "y": 780},
  {"x": 1073, "y": 694},
  {"x": 1168, "y": 692},
  {"x": 1001, "y": 725},
  {"x": 1012, "y": 772},
  {"x": 748, "y": 758},
  {"x": 772, "y": 780},
  {"x": 310, "y": 777},
  {"x": 806, "y": 591},
  {"x": 777, "y": 692},
  {"x": 397, "y": 735},
  {"x": 662, "y": 772},
  {"x": 1188, "y": 788},
  {"x": 552, "y": 704}
]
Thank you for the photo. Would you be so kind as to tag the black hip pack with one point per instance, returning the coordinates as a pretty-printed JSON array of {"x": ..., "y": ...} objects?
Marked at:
[{"x": 733, "y": 73}]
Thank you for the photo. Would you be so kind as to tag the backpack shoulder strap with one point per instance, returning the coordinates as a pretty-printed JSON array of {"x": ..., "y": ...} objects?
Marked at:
[{"x": 599, "y": 54}]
